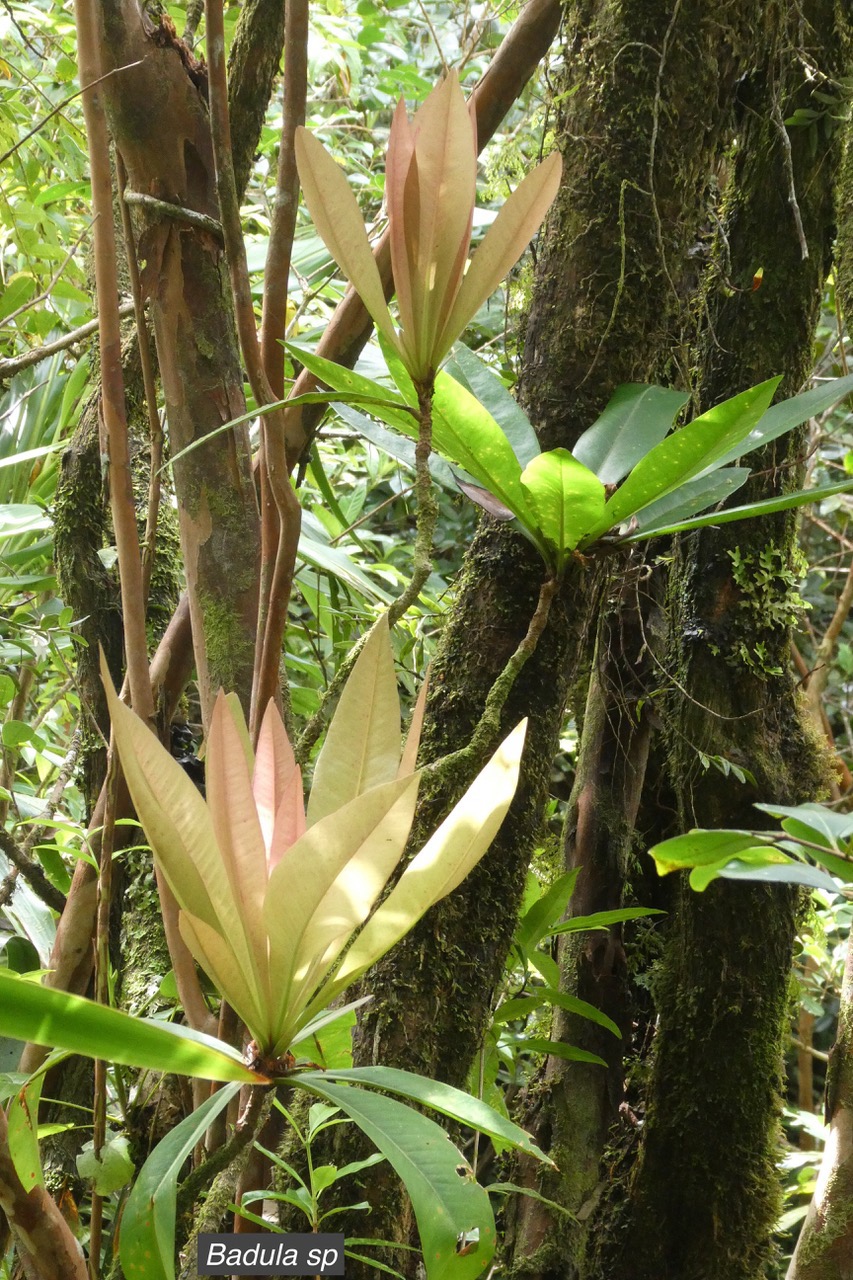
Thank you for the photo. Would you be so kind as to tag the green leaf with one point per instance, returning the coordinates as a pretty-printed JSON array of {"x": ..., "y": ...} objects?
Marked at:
[
  {"x": 111, "y": 1169},
  {"x": 636, "y": 418},
  {"x": 556, "y": 1049},
  {"x": 534, "y": 924},
  {"x": 766, "y": 507},
  {"x": 23, "y": 1132},
  {"x": 565, "y": 498},
  {"x": 400, "y": 447},
  {"x": 476, "y": 376},
  {"x": 147, "y": 1237},
  {"x": 521, "y": 1006},
  {"x": 384, "y": 404},
  {"x": 788, "y": 414},
  {"x": 824, "y": 824},
  {"x": 443, "y": 1098},
  {"x": 54, "y": 1018},
  {"x": 687, "y": 452},
  {"x": 335, "y": 563},
  {"x": 772, "y": 873},
  {"x": 602, "y": 920},
  {"x": 445, "y": 1195},
  {"x": 695, "y": 495},
  {"x": 700, "y": 848}
]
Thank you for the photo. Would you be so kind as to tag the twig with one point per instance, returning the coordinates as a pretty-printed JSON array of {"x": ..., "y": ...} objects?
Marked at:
[
  {"x": 826, "y": 649},
  {"x": 177, "y": 212},
  {"x": 788, "y": 162},
  {"x": 16, "y": 364},
  {"x": 255, "y": 1112},
  {"x": 31, "y": 871}
]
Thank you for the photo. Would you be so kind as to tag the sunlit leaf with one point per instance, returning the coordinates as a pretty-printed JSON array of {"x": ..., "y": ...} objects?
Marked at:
[{"x": 635, "y": 419}]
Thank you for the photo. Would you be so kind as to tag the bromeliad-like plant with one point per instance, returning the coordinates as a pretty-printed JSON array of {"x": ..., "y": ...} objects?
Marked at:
[
  {"x": 430, "y": 194},
  {"x": 276, "y": 906}
]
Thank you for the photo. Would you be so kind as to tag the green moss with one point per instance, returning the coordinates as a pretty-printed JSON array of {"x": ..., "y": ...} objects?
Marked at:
[{"x": 229, "y": 649}]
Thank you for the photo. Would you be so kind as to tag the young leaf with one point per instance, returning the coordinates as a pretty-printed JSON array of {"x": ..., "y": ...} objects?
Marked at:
[
  {"x": 565, "y": 498},
  {"x": 699, "y": 847},
  {"x": 363, "y": 743},
  {"x": 446, "y": 1197},
  {"x": 466, "y": 433},
  {"x": 635, "y": 419},
  {"x": 147, "y": 1236},
  {"x": 547, "y": 909}
]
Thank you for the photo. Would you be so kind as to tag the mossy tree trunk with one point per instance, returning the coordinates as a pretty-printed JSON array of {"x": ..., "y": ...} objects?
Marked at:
[
  {"x": 723, "y": 989},
  {"x": 642, "y": 119}
]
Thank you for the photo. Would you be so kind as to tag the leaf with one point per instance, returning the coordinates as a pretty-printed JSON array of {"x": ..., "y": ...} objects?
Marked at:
[
  {"x": 515, "y": 226},
  {"x": 444, "y": 861},
  {"x": 401, "y": 448},
  {"x": 485, "y": 501},
  {"x": 111, "y": 1169},
  {"x": 466, "y": 433},
  {"x": 476, "y": 376},
  {"x": 446, "y": 1197},
  {"x": 766, "y": 507},
  {"x": 636, "y": 418},
  {"x": 385, "y": 405},
  {"x": 536, "y": 921},
  {"x": 556, "y": 1049},
  {"x": 700, "y": 847},
  {"x": 687, "y": 452},
  {"x": 54, "y": 1018},
  {"x": 824, "y": 823},
  {"x": 566, "y": 499},
  {"x": 602, "y": 920},
  {"x": 147, "y": 1236},
  {"x": 445, "y": 1099},
  {"x": 337, "y": 564},
  {"x": 788, "y": 414},
  {"x": 779, "y": 873},
  {"x": 363, "y": 742},
  {"x": 335, "y": 213},
  {"x": 22, "y": 1135},
  {"x": 695, "y": 495},
  {"x": 409, "y": 757},
  {"x": 521, "y": 1006}
]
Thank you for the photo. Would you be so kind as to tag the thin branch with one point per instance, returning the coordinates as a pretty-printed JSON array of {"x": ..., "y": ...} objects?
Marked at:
[
  {"x": 177, "y": 212},
  {"x": 788, "y": 162},
  {"x": 826, "y": 649},
  {"x": 31, "y": 871},
  {"x": 16, "y": 364},
  {"x": 112, "y": 381}
]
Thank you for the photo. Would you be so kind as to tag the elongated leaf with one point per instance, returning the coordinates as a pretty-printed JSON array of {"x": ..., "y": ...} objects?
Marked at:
[
  {"x": 602, "y": 920},
  {"x": 566, "y": 500},
  {"x": 147, "y": 1236},
  {"x": 56, "y": 1019},
  {"x": 476, "y": 376},
  {"x": 336, "y": 216},
  {"x": 384, "y": 404},
  {"x": 824, "y": 823},
  {"x": 443, "y": 1098},
  {"x": 766, "y": 507},
  {"x": 466, "y": 433},
  {"x": 556, "y": 1049},
  {"x": 443, "y": 863},
  {"x": 445, "y": 1195},
  {"x": 536, "y": 921},
  {"x": 396, "y": 446},
  {"x": 22, "y": 1133},
  {"x": 692, "y": 497},
  {"x": 688, "y": 451},
  {"x": 409, "y": 758},
  {"x": 636, "y": 418},
  {"x": 521, "y": 1006},
  {"x": 515, "y": 226},
  {"x": 337, "y": 564},
  {"x": 788, "y": 414},
  {"x": 363, "y": 743},
  {"x": 781, "y": 873}
]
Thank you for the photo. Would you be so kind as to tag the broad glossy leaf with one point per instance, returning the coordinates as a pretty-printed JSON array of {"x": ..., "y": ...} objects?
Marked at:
[
  {"x": 56, "y": 1019},
  {"x": 696, "y": 495},
  {"x": 688, "y": 451},
  {"x": 363, "y": 743},
  {"x": 444, "y": 861},
  {"x": 780, "y": 873},
  {"x": 515, "y": 226},
  {"x": 700, "y": 847},
  {"x": 476, "y": 376},
  {"x": 565, "y": 498},
  {"x": 788, "y": 414},
  {"x": 766, "y": 507},
  {"x": 445, "y": 1099},
  {"x": 636, "y": 418},
  {"x": 825, "y": 823},
  {"x": 147, "y": 1236},
  {"x": 336, "y": 215},
  {"x": 466, "y": 433},
  {"x": 445, "y": 1195}
]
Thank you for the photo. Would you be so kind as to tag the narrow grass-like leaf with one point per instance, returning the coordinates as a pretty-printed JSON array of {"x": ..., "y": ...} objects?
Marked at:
[
  {"x": 635, "y": 419},
  {"x": 446, "y": 1197},
  {"x": 766, "y": 507},
  {"x": 147, "y": 1236},
  {"x": 556, "y": 1049},
  {"x": 602, "y": 920},
  {"x": 788, "y": 414}
]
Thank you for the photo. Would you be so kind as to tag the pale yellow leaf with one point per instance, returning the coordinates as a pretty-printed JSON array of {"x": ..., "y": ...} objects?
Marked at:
[
  {"x": 274, "y": 776},
  {"x": 336, "y": 216},
  {"x": 504, "y": 243},
  {"x": 444, "y": 861},
  {"x": 409, "y": 758},
  {"x": 226, "y": 971},
  {"x": 363, "y": 743}
]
